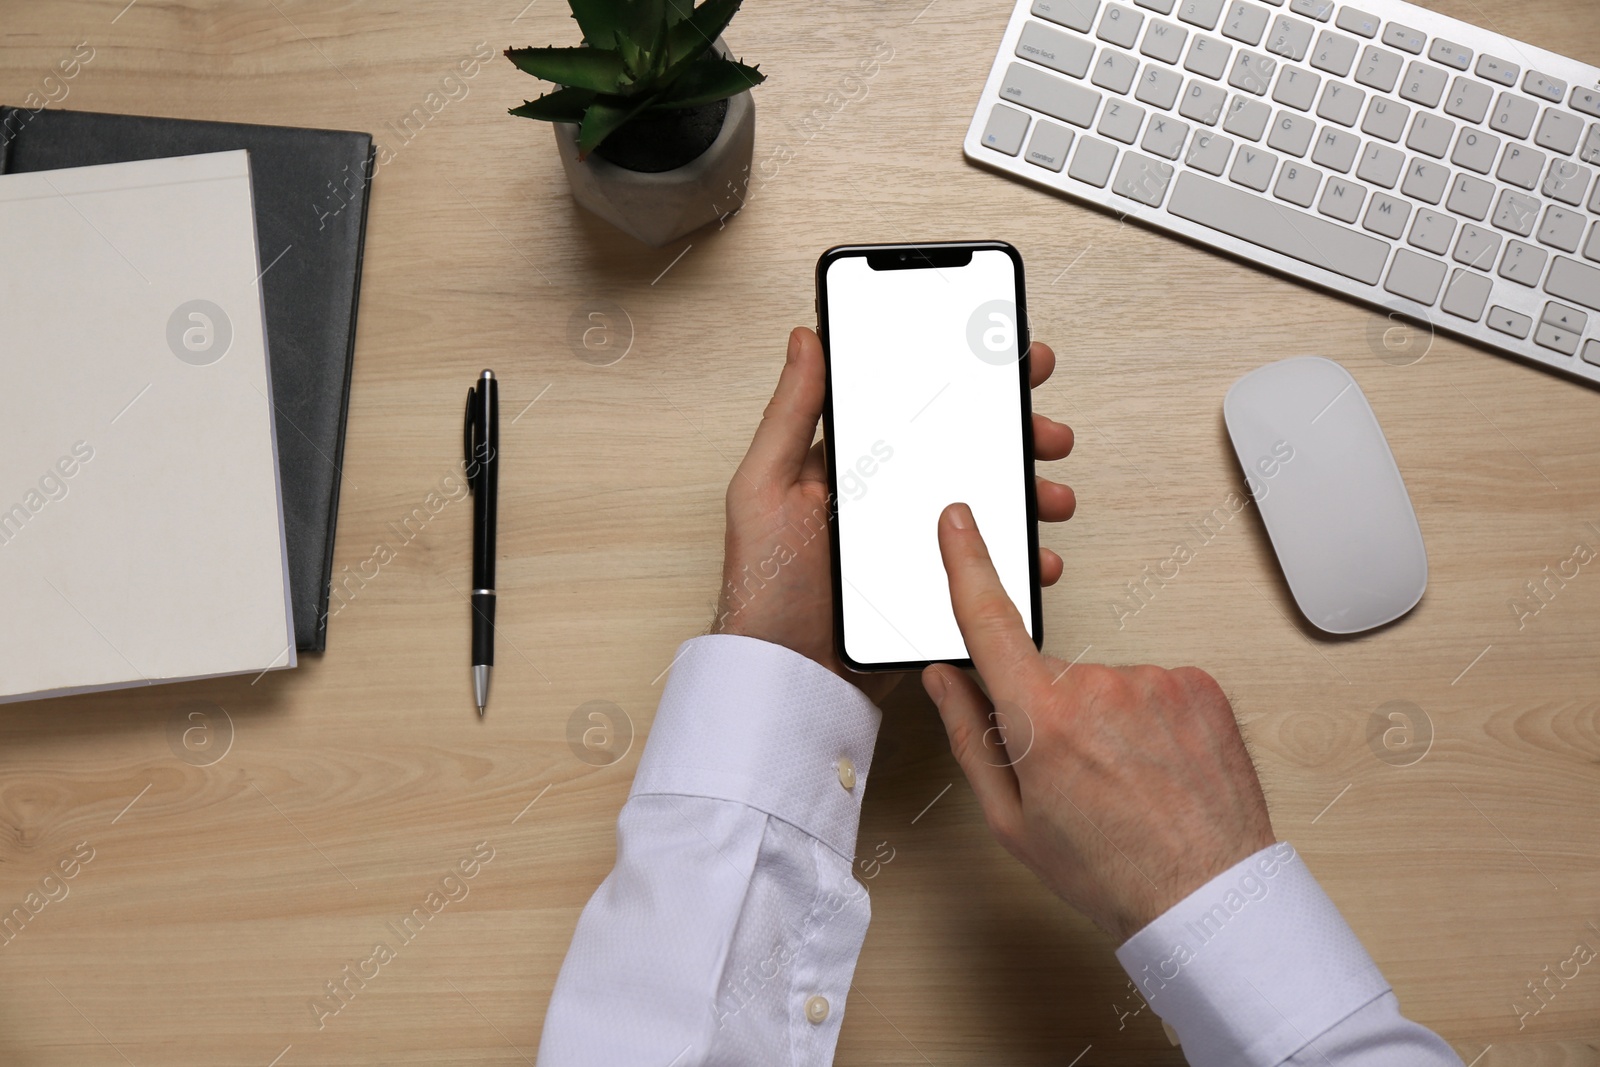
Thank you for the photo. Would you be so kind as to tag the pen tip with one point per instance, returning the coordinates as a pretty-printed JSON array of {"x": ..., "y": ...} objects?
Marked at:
[{"x": 480, "y": 711}]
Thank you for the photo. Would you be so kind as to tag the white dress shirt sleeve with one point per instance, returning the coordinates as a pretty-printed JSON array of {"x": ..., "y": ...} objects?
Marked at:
[
  {"x": 727, "y": 933},
  {"x": 729, "y": 929},
  {"x": 1257, "y": 968}
]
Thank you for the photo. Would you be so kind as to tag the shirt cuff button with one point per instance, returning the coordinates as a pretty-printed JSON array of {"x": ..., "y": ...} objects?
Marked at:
[
  {"x": 817, "y": 1009},
  {"x": 847, "y": 773}
]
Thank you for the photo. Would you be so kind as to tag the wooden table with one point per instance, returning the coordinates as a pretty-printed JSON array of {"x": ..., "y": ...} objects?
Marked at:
[{"x": 220, "y": 899}]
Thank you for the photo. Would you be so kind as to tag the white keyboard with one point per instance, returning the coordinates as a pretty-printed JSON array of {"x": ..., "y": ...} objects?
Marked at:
[{"x": 1410, "y": 160}]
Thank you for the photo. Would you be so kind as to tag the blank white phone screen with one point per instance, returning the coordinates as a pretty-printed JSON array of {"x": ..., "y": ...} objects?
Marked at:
[{"x": 926, "y": 412}]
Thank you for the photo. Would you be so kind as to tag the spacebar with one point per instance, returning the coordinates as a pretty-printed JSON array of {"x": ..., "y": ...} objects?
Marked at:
[{"x": 1282, "y": 229}]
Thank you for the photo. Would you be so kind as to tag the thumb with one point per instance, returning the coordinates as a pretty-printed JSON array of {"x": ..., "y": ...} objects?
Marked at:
[{"x": 976, "y": 743}]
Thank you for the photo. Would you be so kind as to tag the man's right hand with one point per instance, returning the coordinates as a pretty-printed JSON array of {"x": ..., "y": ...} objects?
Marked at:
[{"x": 1123, "y": 788}]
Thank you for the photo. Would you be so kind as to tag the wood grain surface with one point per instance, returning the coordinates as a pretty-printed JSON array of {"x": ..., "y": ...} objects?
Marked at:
[{"x": 332, "y": 800}]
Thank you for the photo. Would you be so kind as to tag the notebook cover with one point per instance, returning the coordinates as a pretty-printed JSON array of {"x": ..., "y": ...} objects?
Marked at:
[
  {"x": 155, "y": 549},
  {"x": 311, "y": 198}
]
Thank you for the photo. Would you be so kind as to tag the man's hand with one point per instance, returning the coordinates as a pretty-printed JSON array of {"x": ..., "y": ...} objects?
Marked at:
[
  {"x": 777, "y": 584},
  {"x": 1123, "y": 789}
]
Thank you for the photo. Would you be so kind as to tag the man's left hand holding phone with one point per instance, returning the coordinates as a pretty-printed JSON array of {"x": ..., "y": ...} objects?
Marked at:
[{"x": 779, "y": 495}]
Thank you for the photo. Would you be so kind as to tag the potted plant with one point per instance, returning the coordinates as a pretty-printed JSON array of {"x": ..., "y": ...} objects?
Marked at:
[{"x": 652, "y": 117}]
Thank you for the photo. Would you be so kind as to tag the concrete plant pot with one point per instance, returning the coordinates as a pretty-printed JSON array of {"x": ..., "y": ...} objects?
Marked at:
[{"x": 662, "y": 206}]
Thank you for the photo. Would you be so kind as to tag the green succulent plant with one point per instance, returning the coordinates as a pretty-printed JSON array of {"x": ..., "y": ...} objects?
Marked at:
[{"x": 638, "y": 56}]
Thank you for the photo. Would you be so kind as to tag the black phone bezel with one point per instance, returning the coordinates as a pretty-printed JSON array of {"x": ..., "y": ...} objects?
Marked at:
[{"x": 929, "y": 255}]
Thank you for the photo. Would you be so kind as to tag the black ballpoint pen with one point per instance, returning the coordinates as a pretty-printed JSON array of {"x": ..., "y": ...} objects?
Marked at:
[{"x": 481, "y": 437}]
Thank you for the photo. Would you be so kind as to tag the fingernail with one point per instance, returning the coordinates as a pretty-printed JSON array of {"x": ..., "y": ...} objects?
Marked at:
[
  {"x": 794, "y": 346},
  {"x": 961, "y": 517},
  {"x": 933, "y": 681}
]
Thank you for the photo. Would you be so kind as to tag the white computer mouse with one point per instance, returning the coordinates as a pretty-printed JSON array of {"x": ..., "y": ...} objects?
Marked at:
[{"x": 1330, "y": 494}]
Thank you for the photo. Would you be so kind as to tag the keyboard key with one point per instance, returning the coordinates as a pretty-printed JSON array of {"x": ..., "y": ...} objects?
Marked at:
[
  {"x": 1404, "y": 37},
  {"x": 1586, "y": 101},
  {"x": 1523, "y": 263},
  {"x": 1509, "y": 322},
  {"x": 1477, "y": 247},
  {"x": 1555, "y": 338},
  {"x": 1381, "y": 165},
  {"x": 1165, "y": 136},
  {"x": 1114, "y": 70},
  {"x": 1357, "y": 22},
  {"x": 1425, "y": 180},
  {"x": 1073, "y": 14},
  {"x": 1321, "y": 10},
  {"x": 1142, "y": 178},
  {"x": 1051, "y": 48},
  {"x": 1466, "y": 295},
  {"x": 1500, "y": 71},
  {"x": 1247, "y": 118},
  {"x": 1289, "y": 37},
  {"x": 1431, "y": 230},
  {"x": 1291, "y": 133},
  {"x": 1120, "y": 25},
  {"x": 1387, "y": 215},
  {"x": 1520, "y": 166},
  {"x": 1208, "y": 57},
  {"x": 1543, "y": 85},
  {"x": 1121, "y": 120},
  {"x": 1056, "y": 97},
  {"x": 1472, "y": 197},
  {"x": 1253, "y": 168},
  {"x": 1336, "y": 149},
  {"x": 1574, "y": 281},
  {"x": 1385, "y": 119},
  {"x": 1450, "y": 54},
  {"x": 1566, "y": 318},
  {"x": 1334, "y": 53},
  {"x": 1415, "y": 277},
  {"x": 1092, "y": 163},
  {"x": 1298, "y": 184},
  {"x": 1159, "y": 87},
  {"x": 1559, "y": 131},
  {"x": 1049, "y": 145},
  {"x": 1562, "y": 229},
  {"x": 1469, "y": 100},
  {"x": 1005, "y": 129},
  {"x": 1252, "y": 72},
  {"x": 1202, "y": 13},
  {"x": 1591, "y": 352},
  {"x": 1513, "y": 115},
  {"x": 1341, "y": 103},
  {"x": 1247, "y": 22},
  {"x": 1342, "y": 200},
  {"x": 1594, "y": 200},
  {"x": 1591, "y": 250},
  {"x": 1516, "y": 213},
  {"x": 1423, "y": 84},
  {"x": 1296, "y": 88},
  {"x": 1209, "y": 152},
  {"x": 1431, "y": 135},
  {"x": 1476, "y": 150},
  {"x": 1590, "y": 152},
  {"x": 1565, "y": 181},
  {"x": 1162, "y": 6},
  {"x": 1278, "y": 228},
  {"x": 1203, "y": 103},
  {"x": 1164, "y": 41},
  {"x": 1379, "y": 68}
]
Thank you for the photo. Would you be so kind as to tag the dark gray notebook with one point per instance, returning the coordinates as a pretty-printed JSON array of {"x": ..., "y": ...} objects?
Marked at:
[{"x": 310, "y": 191}]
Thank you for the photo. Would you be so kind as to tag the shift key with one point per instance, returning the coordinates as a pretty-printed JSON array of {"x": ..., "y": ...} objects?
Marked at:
[
  {"x": 1574, "y": 281},
  {"x": 1054, "y": 96}
]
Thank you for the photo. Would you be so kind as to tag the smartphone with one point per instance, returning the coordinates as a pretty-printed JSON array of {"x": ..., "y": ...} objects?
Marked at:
[{"x": 927, "y": 404}]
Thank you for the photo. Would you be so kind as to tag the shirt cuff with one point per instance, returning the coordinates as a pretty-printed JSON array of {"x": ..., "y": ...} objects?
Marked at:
[
  {"x": 758, "y": 724},
  {"x": 1253, "y": 965}
]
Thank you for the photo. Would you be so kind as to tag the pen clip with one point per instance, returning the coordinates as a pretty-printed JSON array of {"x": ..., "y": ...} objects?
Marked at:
[{"x": 467, "y": 440}]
